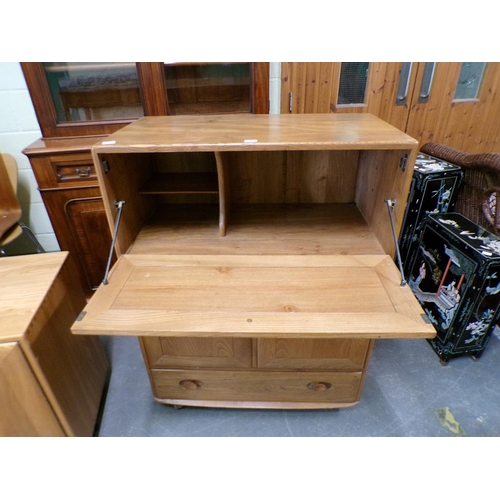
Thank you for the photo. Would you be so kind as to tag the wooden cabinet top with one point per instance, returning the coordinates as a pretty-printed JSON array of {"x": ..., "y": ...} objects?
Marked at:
[
  {"x": 47, "y": 147},
  {"x": 256, "y": 132},
  {"x": 25, "y": 281}
]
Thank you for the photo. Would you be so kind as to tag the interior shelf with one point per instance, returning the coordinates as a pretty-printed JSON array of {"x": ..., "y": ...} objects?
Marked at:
[
  {"x": 258, "y": 229},
  {"x": 181, "y": 183}
]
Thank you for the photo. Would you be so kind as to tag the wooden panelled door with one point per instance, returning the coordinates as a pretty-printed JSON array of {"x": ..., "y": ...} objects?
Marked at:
[{"x": 456, "y": 104}]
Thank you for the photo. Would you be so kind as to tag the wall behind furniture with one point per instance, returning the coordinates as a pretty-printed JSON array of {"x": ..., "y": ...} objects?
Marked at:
[{"x": 18, "y": 129}]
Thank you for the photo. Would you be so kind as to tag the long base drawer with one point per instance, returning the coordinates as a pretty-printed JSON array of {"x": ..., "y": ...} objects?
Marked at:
[{"x": 252, "y": 389}]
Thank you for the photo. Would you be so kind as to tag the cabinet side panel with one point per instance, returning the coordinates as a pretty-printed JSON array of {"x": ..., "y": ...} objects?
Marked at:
[
  {"x": 120, "y": 178},
  {"x": 24, "y": 410},
  {"x": 380, "y": 178},
  {"x": 72, "y": 370}
]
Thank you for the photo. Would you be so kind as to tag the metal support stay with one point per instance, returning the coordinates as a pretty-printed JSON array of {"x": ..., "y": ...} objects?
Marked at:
[
  {"x": 119, "y": 209},
  {"x": 390, "y": 207}
]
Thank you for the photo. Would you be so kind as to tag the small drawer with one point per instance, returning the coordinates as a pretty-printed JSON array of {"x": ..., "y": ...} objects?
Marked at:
[
  {"x": 64, "y": 171},
  {"x": 67, "y": 171},
  {"x": 249, "y": 386}
]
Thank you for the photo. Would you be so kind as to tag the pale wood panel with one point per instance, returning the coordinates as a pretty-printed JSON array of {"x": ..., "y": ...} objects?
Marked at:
[
  {"x": 321, "y": 176},
  {"x": 24, "y": 409},
  {"x": 174, "y": 352},
  {"x": 224, "y": 192},
  {"x": 127, "y": 173},
  {"x": 312, "y": 354},
  {"x": 372, "y": 316},
  {"x": 293, "y": 176},
  {"x": 71, "y": 370},
  {"x": 259, "y": 229},
  {"x": 257, "y": 177},
  {"x": 249, "y": 132},
  {"x": 26, "y": 281},
  {"x": 380, "y": 178},
  {"x": 38, "y": 305},
  {"x": 232, "y": 289}
]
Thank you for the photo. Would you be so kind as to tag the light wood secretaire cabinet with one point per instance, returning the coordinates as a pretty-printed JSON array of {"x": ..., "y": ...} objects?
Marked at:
[
  {"x": 255, "y": 255},
  {"x": 51, "y": 382}
]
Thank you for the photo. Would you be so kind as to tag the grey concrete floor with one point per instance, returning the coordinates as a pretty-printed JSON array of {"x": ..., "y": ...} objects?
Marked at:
[{"x": 407, "y": 392}]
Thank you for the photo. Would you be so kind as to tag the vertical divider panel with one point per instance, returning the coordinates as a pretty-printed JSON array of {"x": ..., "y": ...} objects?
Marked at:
[{"x": 224, "y": 192}]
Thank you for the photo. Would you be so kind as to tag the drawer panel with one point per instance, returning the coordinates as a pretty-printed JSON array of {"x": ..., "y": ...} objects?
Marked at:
[
  {"x": 314, "y": 387},
  {"x": 181, "y": 352},
  {"x": 61, "y": 171},
  {"x": 74, "y": 171},
  {"x": 313, "y": 354}
]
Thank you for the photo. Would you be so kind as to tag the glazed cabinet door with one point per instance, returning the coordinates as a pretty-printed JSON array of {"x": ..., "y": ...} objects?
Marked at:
[
  {"x": 74, "y": 99},
  {"x": 185, "y": 88}
]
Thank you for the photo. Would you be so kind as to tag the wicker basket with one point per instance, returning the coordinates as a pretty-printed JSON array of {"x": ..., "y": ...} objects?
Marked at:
[{"x": 479, "y": 196}]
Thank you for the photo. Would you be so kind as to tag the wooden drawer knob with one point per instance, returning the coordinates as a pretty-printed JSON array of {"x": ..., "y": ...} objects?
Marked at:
[
  {"x": 191, "y": 384},
  {"x": 319, "y": 386}
]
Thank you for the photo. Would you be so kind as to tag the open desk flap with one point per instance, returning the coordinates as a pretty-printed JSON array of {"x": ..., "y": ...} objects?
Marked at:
[{"x": 315, "y": 296}]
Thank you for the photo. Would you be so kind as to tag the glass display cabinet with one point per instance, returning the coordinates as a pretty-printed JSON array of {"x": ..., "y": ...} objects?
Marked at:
[
  {"x": 76, "y": 103},
  {"x": 74, "y": 99}
]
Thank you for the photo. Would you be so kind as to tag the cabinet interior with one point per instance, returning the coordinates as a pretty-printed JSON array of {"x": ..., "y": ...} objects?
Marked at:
[{"x": 262, "y": 202}]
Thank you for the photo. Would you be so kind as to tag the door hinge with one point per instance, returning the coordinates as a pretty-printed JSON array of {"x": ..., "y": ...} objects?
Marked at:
[
  {"x": 105, "y": 165},
  {"x": 403, "y": 162},
  {"x": 290, "y": 102}
]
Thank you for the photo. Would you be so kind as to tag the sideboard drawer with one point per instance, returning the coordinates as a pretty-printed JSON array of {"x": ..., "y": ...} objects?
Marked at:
[
  {"x": 64, "y": 171},
  {"x": 313, "y": 387}
]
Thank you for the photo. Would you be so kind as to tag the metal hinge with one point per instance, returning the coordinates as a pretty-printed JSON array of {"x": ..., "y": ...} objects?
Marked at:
[
  {"x": 290, "y": 102},
  {"x": 403, "y": 162},
  {"x": 81, "y": 315},
  {"x": 105, "y": 165}
]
